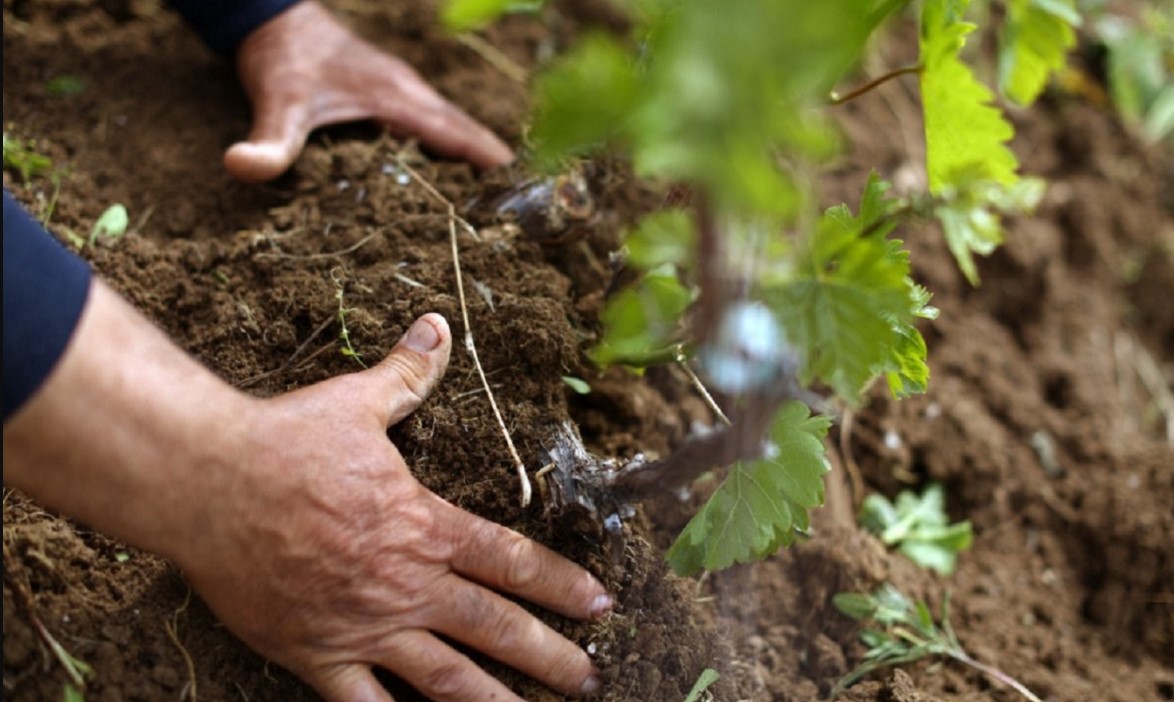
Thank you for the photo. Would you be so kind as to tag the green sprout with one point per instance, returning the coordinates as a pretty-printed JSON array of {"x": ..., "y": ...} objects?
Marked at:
[
  {"x": 348, "y": 349},
  {"x": 22, "y": 156},
  {"x": 904, "y": 632},
  {"x": 918, "y": 527}
]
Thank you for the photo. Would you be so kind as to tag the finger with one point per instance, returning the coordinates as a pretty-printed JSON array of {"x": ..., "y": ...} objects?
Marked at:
[
  {"x": 446, "y": 129},
  {"x": 281, "y": 125},
  {"x": 505, "y": 560},
  {"x": 441, "y": 674},
  {"x": 351, "y": 683},
  {"x": 493, "y": 625},
  {"x": 407, "y": 375}
]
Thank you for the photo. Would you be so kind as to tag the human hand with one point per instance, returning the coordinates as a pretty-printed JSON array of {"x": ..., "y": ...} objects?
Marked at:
[
  {"x": 303, "y": 70},
  {"x": 328, "y": 557}
]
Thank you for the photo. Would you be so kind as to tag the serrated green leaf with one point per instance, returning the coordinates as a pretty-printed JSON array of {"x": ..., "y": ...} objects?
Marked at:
[
  {"x": 1035, "y": 43},
  {"x": 965, "y": 134},
  {"x": 463, "y": 15},
  {"x": 665, "y": 236},
  {"x": 850, "y": 306},
  {"x": 760, "y": 503},
  {"x": 970, "y": 217},
  {"x": 641, "y": 322}
]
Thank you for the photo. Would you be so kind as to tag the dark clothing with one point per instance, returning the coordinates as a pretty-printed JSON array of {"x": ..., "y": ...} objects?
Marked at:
[
  {"x": 46, "y": 286},
  {"x": 223, "y": 24}
]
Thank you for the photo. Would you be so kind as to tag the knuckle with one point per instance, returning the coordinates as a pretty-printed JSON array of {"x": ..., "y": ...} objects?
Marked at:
[
  {"x": 523, "y": 567},
  {"x": 446, "y": 681}
]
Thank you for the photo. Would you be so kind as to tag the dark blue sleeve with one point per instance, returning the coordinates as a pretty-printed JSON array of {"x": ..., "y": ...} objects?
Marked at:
[
  {"x": 223, "y": 24},
  {"x": 45, "y": 290}
]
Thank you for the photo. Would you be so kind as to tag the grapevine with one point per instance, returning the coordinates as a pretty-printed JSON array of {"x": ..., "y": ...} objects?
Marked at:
[{"x": 775, "y": 302}]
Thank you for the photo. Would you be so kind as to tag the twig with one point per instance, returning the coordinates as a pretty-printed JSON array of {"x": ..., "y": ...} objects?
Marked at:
[
  {"x": 701, "y": 389},
  {"x": 470, "y": 346},
  {"x": 837, "y": 98},
  {"x": 850, "y": 465},
  {"x": 991, "y": 671},
  {"x": 75, "y": 669},
  {"x": 171, "y": 626},
  {"x": 1155, "y": 383},
  {"x": 289, "y": 361},
  {"x": 495, "y": 57},
  {"x": 313, "y": 257}
]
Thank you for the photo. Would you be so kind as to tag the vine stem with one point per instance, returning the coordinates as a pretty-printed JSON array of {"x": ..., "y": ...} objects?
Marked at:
[
  {"x": 838, "y": 98},
  {"x": 963, "y": 657},
  {"x": 470, "y": 346}
]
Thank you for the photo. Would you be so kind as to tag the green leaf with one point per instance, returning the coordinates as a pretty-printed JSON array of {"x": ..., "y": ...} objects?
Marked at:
[
  {"x": 584, "y": 100},
  {"x": 72, "y": 694},
  {"x": 970, "y": 217},
  {"x": 21, "y": 155},
  {"x": 965, "y": 135},
  {"x": 577, "y": 384},
  {"x": 1035, "y": 43},
  {"x": 63, "y": 86},
  {"x": 641, "y": 323},
  {"x": 854, "y": 604},
  {"x": 111, "y": 224},
  {"x": 665, "y": 236},
  {"x": 849, "y": 307},
  {"x": 708, "y": 677},
  {"x": 463, "y": 15},
  {"x": 760, "y": 504}
]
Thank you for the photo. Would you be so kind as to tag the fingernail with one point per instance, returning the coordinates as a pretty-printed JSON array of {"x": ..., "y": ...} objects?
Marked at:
[
  {"x": 422, "y": 337},
  {"x": 601, "y": 605},
  {"x": 590, "y": 686}
]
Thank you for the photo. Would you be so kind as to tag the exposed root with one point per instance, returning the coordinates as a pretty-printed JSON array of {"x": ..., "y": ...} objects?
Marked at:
[
  {"x": 171, "y": 626},
  {"x": 470, "y": 345},
  {"x": 849, "y": 461},
  {"x": 293, "y": 357}
]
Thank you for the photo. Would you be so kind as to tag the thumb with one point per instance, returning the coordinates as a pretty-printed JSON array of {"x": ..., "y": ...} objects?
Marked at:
[
  {"x": 280, "y": 129},
  {"x": 407, "y": 375}
]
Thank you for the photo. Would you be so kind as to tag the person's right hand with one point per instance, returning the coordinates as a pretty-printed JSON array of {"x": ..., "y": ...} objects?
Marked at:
[{"x": 330, "y": 558}]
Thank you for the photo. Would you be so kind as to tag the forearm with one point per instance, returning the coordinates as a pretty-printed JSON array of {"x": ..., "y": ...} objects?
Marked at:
[{"x": 129, "y": 433}]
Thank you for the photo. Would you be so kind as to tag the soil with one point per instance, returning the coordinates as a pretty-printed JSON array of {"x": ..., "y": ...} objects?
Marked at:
[{"x": 1037, "y": 421}]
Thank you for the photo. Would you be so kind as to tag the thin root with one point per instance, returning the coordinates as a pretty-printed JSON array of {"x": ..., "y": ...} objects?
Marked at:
[
  {"x": 171, "y": 626},
  {"x": 470, "y": 346}
]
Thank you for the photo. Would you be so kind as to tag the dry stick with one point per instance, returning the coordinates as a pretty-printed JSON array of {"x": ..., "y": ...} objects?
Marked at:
[
  {"x": 837, "y": 98},
  {"x": 701, "y": 389},
  {"x": 171, "y": 626},
  {"x": 495, "y": 57},
  {"x": 312, "y": 257},
  {"x": 470, "y": 346},
  {"x": 289, "y": 361},
  {"x": 1154, "y": 381},
  {"x": 850, "y": 465}
]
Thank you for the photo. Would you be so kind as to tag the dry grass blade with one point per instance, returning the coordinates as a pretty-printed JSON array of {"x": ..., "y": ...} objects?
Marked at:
[{"x": 470, "y": 345}]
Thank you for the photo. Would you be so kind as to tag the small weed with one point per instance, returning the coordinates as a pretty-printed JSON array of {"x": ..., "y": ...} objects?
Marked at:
[
  {"x": 348, "y": 349},
  {"x": 918, "y": 527},
  {"x": 21, "y": 156},
  {"x": 111, "y": 224},
  {"x": 906, "y": 632}
]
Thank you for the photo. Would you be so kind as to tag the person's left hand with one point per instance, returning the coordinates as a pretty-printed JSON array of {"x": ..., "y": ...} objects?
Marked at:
[{"x": 303, "y": 70}]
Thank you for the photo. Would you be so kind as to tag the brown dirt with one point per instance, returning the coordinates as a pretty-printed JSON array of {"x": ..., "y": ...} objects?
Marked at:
[{"x": 1036, "y": 420}]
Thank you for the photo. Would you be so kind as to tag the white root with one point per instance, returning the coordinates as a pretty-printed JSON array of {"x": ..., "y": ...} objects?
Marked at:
[{"x": 470, "y": 346}]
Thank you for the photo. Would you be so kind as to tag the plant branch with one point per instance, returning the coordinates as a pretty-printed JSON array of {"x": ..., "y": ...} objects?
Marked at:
[
  {"x": 470, "y": 346},
  {"x": 838, "y": 98},
  {"x": 962, "y": 657}
]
